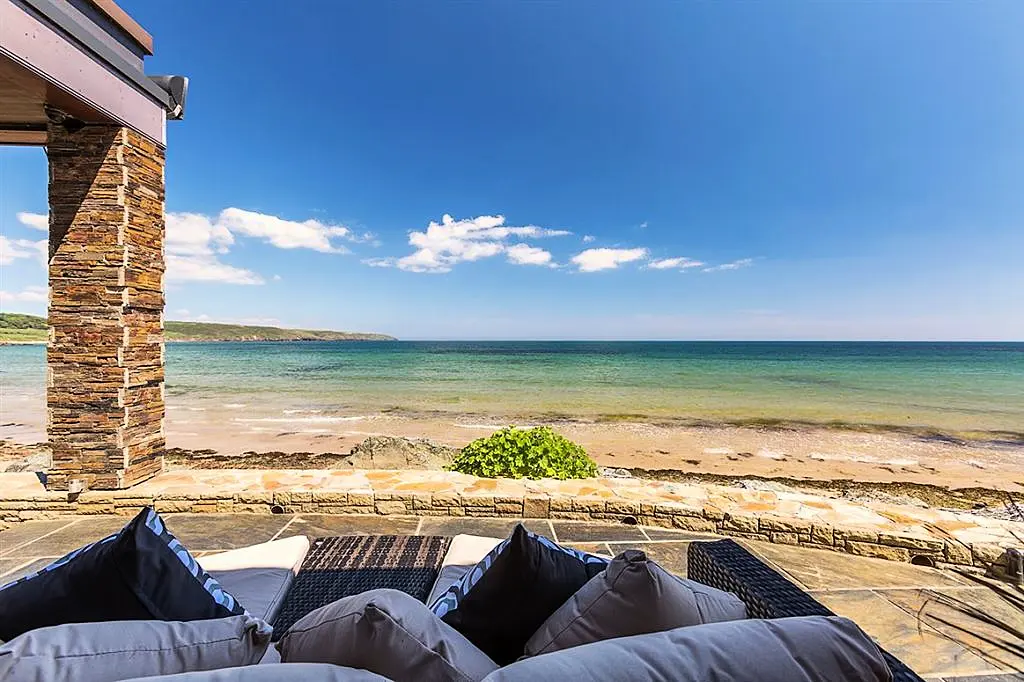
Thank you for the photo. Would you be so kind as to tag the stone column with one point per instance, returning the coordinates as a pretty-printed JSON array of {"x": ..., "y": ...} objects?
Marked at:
[{"x": 105, "y": 361}]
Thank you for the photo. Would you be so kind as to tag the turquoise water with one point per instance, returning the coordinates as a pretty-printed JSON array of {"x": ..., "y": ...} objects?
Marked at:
[{"x": 946, "y": 386}]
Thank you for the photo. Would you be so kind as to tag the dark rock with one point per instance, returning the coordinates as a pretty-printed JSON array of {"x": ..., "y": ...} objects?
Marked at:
[{"x": 388, "y": 452}]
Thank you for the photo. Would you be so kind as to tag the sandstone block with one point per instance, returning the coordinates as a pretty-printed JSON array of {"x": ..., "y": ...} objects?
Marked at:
[
  {"x": 330, "y": 497},
  {"x": 588, "y": 504},
  {"x": 985, "y": 554},
  {"x": 360, "y": 499},
  {"x": 925, "y": 544},
  {"x": 445, "y": 500},
  {"x": 391, "y": 507},
  {"x": 626, "y": 507},
  {"x": 821, "y": 535},
  {"x": 561, "y": 504},
  {"x": 877, "y": 551},
  {"x": 172, "y": 506},
  {"x": 784, "y": 525},
  {"x": 740, "y": 524},
  {"x": 694, "y": 524},
  {"x": 842, "y": 535},
  {"x": 957, "y": 553},
  {"x": 261, "y": 497},
  {"x": 536, "y": 507},
  {"x": 785, "y": 538}
]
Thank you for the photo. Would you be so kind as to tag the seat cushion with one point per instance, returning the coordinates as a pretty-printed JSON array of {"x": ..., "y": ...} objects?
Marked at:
[
  {"x": 104, "y": 652},
  {"x": 807, "y": 649},
  {"x": 633, "y": 596},
  {"x": 387, "y": 632},
  {"x": 464, "y": 552},
  {"x": 259, "y": 576},
  {"x": 502, "y": 600},
  {"x": 141, "y": 572},
  {"x": 290, "y": 672}
]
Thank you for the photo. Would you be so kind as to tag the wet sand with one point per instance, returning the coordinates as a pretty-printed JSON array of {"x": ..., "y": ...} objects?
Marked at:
[{"x": 805, "y": 453}]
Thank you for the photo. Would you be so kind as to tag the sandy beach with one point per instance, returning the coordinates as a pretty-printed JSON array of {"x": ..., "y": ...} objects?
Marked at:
[{"x": 801, "y": 454}]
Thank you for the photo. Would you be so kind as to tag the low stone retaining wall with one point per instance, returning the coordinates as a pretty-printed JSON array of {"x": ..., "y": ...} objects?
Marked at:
[{"x": 708, "y": 518}]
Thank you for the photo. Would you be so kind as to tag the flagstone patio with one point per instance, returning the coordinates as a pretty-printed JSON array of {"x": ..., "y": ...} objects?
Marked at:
[
  {"x": 887, "y": 531},
  {"x": 943, "y": 624}
]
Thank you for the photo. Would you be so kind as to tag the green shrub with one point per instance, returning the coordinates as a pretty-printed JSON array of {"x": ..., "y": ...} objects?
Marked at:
[{"x": 522, "y": 453}]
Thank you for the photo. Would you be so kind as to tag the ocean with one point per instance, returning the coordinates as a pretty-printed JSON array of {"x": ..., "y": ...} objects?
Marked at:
[{"x": 947, "y": 387}]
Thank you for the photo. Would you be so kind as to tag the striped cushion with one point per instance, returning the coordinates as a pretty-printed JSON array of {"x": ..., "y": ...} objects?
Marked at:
[{"x": 141, "y": 572}]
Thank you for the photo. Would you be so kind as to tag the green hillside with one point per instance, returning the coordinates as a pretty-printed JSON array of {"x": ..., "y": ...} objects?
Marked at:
[{"x": 17, "y": 328}]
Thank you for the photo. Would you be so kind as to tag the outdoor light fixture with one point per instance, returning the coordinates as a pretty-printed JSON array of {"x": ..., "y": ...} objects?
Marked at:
[{"x": 177, "y": 88}]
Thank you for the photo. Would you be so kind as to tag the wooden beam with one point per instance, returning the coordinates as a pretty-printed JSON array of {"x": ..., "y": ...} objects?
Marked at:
[
  {"x": 125, "y": 22},
  {"x": 23, "y": 137}
]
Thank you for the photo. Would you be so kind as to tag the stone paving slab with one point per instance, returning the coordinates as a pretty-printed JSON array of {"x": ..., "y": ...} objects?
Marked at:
[
  {"x": 910, "y": 610},
  {"x": 886, "y": 531}
]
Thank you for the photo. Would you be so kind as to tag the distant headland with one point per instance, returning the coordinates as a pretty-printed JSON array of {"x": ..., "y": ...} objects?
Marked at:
[{"x": 19, "y": 328}]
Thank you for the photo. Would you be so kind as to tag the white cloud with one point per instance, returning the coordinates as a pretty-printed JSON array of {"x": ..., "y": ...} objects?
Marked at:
[
  {"x": 593, "y": 260},
  {"x": 524, "y": 254},
  {"x": 445, "y": 244},
  {"x": 276, "y": 278},
  {"x": 192, "y": 245},
  {"x": 256, "y": 321},
  {"x": 194, "y": 242},
  {"x": 207, "y": 269},
  {"x": 674, "y": 263},
  {"x": 193, "y": 234},
  {"x": 587, "y": 238},
  {"x": 286, "y": 234},
  {"x": 16, "y": 249},
  {"x": 36, "y": 221},
  {"x": 735, "y": 265},
  {"x": 31, "y": 294},
  {"x": 643, "y": 225}
]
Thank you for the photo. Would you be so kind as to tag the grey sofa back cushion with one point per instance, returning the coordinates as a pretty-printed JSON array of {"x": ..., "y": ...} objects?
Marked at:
[
  {"x": 116, "y": 650},
  {"x": 633, "y": 596},
  {"x": 259, "y": 576},
  {"x": 278, "y": 672},
  {"x": 808, "y": 649},
  {"x": 387, "y": 632}
]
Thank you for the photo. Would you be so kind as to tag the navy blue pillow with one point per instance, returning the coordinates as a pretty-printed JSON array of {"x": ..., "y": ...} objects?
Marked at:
[
  {"x": 141, "y": 572},
  {"x": 499, "y": 603}
]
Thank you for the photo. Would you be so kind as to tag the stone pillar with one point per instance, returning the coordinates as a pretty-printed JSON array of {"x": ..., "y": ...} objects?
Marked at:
[{"x": 105, "y": 361}]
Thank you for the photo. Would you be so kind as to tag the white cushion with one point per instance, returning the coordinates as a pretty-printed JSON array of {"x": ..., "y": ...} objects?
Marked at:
[
  {"x": 115, "y": 650},
  {"x": 809, "y": 649},
  {"x": 291, "y": 672},
  {"x": 387, "y": 632},
  {"x": 464, "y": 552},
  {"x": 259, "y": 576}
]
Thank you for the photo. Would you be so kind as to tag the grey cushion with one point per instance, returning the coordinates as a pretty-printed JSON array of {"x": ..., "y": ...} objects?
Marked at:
[
  {"x": 115, "y": 650},
  {"x": 633, "y": 596},
  {"x": 809, "y": 649},
  {"x": 387, "y": 632},
  {"x": 292, "y": 672},
  {"x": 259, "y": 576}
]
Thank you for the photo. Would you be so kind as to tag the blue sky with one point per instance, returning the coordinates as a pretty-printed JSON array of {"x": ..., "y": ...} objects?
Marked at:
[{"x": 838, "y": 170}]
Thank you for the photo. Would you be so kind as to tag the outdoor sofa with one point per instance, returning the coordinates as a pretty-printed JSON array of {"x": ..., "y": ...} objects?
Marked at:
[{"x": 309, "y": 595}]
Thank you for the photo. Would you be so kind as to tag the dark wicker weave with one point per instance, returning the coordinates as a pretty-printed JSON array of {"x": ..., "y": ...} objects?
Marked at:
[
  {"x": 728, "y": 566},
  {"x": 342, "y": 566}
]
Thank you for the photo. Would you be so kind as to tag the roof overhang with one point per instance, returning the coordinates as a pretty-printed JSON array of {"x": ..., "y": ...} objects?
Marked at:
[{"x": 81, "y": 57}]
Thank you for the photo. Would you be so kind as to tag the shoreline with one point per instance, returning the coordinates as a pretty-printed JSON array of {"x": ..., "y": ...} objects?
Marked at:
[{"x": 805, "y": 455}]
